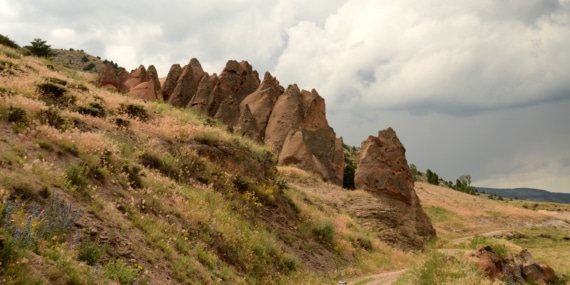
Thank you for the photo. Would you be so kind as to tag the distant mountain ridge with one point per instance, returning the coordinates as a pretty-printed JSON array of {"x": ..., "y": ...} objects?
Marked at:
[{"x": 531, "y": 194}]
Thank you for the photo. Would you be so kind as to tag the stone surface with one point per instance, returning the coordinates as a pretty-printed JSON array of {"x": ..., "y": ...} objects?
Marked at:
[
  {"x": 261, "y": 102},
  {"x": 170, "y": 81},
  {"x": 520, "y": 268},
  {"x": 382, "y": 170}
]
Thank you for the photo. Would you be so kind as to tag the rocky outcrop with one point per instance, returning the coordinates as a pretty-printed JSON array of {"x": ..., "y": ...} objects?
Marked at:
[
  {"x": 292, "y": 121},
  {"x": 382, "y": 169},
  {"x": 516, "y": 269},
  {"x": 141, "y": 83}
]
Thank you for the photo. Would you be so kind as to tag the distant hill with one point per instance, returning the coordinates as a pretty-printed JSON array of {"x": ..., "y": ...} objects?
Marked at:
[{"x": 529, "y": 194}]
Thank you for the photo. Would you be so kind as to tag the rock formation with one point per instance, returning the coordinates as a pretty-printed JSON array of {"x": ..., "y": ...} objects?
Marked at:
[
  {"x": 139, "y": 82},
  {"x": 516, "y": 269},
  {"x": 382, "y": 170},
  {"x": 292, "y": 121}
]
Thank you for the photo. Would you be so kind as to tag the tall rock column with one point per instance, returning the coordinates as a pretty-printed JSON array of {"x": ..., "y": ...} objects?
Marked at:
[{"x": 382, "y": 170}]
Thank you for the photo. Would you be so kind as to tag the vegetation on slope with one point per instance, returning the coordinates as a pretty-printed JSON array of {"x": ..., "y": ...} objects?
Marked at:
[{"x": 97, "y": 186}]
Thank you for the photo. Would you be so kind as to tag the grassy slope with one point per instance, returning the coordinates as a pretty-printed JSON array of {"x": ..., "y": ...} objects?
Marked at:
[
  {"x": 167, "y": 197},
  {"x": 461, "y": 220}
]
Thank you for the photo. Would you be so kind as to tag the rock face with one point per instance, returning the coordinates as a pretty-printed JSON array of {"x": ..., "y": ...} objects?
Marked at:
[
  {"x": 292, "y": 121},
  {"x": 382, "y": 170}
]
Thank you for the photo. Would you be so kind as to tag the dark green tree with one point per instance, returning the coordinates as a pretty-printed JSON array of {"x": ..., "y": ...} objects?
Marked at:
[
  {"x": 39, "y": 48},
  {"x": 414, "y": 171},
  {"x": 348, "y": 179},
  {"x": 432, "y": 177}
]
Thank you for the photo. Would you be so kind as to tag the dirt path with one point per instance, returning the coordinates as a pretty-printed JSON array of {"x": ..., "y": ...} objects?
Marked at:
[{"x": 388, "y": 278}]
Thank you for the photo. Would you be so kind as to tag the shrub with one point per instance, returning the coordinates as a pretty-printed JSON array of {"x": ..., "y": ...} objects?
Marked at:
[
  {"x": 207, "y": 137},
  {"x": 91, "y": 252},
  {"x": 77, "y": 175},
  {"x": 324, "y": 232},
  {"x": 122, "y": 123},
  {"x": 52, "y": 117},
  {"x": 134, "y": 111},
  {"x": 89, "y": 67},
  {"x": 119, "y": 271},
  {"x": 19, "y": 117},
  {"x": 94, "y": 109},
  {"x": 288, "y": 263},
  {"x": 133, "y": 172},
  {"x": 4, "y": 40},
  {"x": 54, "y": 94}
]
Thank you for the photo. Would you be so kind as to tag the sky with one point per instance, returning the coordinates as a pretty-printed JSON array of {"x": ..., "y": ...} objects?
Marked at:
[{"x": 479, "y": 87}]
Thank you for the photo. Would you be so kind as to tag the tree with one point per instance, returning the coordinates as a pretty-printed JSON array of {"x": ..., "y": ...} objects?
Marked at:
[
  {"x": 463, "y": 184},
  {"x": 39, "y": 48},
  {"x": 414, "y": 171},
  {"x": 432, "y": 177}
]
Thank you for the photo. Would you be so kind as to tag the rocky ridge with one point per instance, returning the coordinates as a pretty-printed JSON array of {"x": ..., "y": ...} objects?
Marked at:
[{"x": 292, "y": 121}]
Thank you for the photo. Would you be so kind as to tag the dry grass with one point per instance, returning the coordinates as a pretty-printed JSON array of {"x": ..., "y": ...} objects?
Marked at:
[{"x": 456, "y": 214}]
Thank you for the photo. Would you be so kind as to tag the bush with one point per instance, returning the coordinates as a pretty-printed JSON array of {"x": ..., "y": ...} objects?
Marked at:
[
  {"x": 94, "y": 109},
  {"x": 53, "y": 118},
  {"x": 89, "y": 67},
  {"x": 119, "y": 271},
  {"x": 324, "y": 233},
  {"x": 134, "y": 111},
  {"x": 4, "y": 40},
  {"x": 54, "y": 94},
  {"x": 91, "y": 252}
]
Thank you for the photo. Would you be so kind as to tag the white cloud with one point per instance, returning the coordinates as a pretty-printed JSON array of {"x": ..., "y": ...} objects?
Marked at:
[{"x": 397, "y": 56}]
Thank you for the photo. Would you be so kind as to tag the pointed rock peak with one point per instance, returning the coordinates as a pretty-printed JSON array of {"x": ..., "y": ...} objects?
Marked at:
[
  {"x": 292, "y": 90},
  {"x": 234, "y": 67},
  {"x": 195, "y": 62}
]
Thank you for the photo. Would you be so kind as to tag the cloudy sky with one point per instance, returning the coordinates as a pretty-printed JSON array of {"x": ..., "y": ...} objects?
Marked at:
[{"x": 478, "y": 87}]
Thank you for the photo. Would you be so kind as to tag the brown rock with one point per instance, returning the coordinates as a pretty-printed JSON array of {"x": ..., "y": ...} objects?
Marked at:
[
  {"x": 149, "y": 89},
  {"x": 287, "y": 116},
  {"x": 204, "y": 96},
  {"x": 228, "y": 112},
  {"x": 108, "y": 78},
  {"x": 136, "y": 77},
  {"x": 261, "y": 103},
  {"x": 247, "y": 125},
  {"x": 170, "y": 81},
  {"x": 185, "y": 88},
  {"x": 382, "y": 169}
]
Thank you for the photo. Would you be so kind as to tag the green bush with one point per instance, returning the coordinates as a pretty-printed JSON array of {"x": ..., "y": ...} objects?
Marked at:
[
  {"x": 134, "y": 111},
  {"x": 4, "y": 40},
  {"x": 91, "y": 252},
  {"x": 94, "y": 109},
  {"x": 54, "y": 94},
  {"x": 324, "y": 233},
  {"x": 121, "y": 272},
  {"x": 53, "y": 117},
  {"x": 89, "y": 67}
]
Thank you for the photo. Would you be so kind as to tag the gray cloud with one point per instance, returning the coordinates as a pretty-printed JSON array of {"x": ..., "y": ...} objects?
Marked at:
[{"x": 478, "y": 87}]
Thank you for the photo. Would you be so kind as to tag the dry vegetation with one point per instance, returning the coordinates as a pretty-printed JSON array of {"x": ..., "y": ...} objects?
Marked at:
[{"x": 97, "y": 187}]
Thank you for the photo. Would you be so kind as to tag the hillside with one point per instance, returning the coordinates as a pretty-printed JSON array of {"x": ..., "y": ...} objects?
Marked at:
[
  {"x": 530, "y": 194},
  {"x": 99, "y": 187}
]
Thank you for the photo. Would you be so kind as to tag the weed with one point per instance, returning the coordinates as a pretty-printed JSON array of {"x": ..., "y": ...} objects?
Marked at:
[
  {"x": 119, "y": 271},
  {"x": 55, "y": 81},
  {"x": 77, "y": 175},
  {"x": 133, "y": 172},
  {"x": 288, "y": 263}
]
